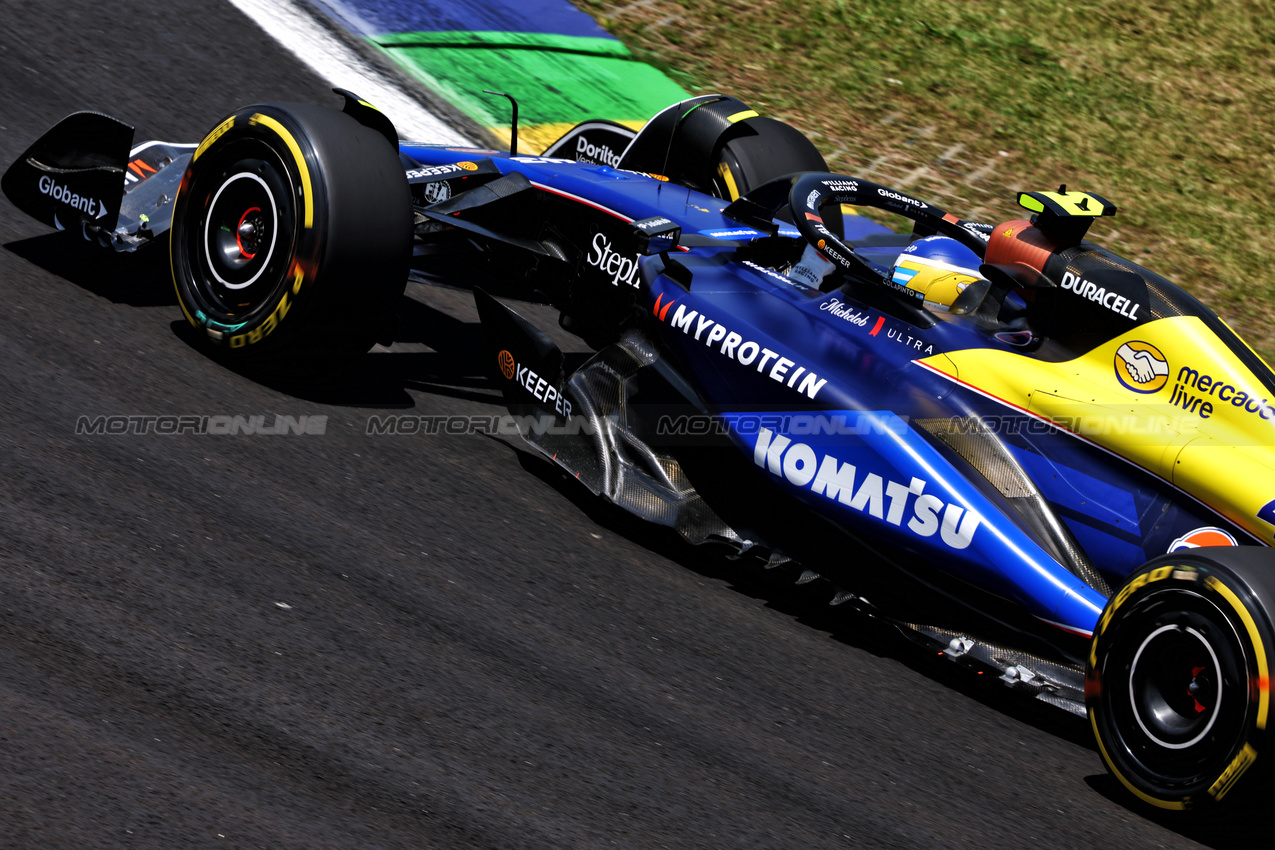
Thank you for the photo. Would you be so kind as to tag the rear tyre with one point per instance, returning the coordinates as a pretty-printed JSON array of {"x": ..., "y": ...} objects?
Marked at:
[
  {"x": 768, "y": 149},
  {"x": 1177, "y": 685},
  {"x": 715, "y": 144},
  {"x": 291, "y": 237}
]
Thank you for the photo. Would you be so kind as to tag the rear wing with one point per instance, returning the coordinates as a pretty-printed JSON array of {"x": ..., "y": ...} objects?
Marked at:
[{"x": 84, "y": 175}]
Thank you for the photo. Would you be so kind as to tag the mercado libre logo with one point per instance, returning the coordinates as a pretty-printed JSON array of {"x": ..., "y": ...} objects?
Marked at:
[
  {"x": 1141, "y": 367},
  {"x": 507, "y": 365}
]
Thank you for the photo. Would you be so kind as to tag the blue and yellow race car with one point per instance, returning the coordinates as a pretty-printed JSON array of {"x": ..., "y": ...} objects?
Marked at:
[{"x": 1023, "y": 450}]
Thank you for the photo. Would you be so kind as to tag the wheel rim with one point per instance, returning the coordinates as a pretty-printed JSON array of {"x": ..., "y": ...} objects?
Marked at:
[
  {"x": 238, "y": 248},
  {"x": 1174, "y": 688},
  {"x": 1183, "y": 709},
  {"x": 241, "y": 242}
]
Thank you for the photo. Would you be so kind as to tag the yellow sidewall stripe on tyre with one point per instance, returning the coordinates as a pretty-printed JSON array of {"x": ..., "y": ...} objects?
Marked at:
[
  {"x": 173, "y": 269},
  {"x": 1111, "y": 765},
  {"x": 1233, "y": 772},
  {"x": 1155, "y": 575},
  {"x": 1259, "y": 651},
  {"x": 263, "y": 330},
  {"x": 1248, "y": 755},
  {"x": 217, "y": 133},
  {"x": 267, "y": 121},
  {"x": 731, "y": 188},
  {"x": 1127, "y": 591},
  {"x": 1158, "y": 574}
]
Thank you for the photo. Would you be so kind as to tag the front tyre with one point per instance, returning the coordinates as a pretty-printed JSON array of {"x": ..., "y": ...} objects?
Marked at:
[
  {"x": 1177, "y": 685},
  {"x": 291, "y": 237}
]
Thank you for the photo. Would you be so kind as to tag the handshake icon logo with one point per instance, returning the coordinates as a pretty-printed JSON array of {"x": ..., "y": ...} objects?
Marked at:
[{"x": 1141, "y": 367}]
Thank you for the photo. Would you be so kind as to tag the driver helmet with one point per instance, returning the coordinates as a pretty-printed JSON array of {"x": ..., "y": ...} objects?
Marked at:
[{"x": 937, "y": 267}]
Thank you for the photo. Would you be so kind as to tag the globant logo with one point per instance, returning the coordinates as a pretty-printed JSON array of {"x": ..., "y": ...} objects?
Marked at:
[
  {"x": 895, "y": 196},
  {"x": 66, "y": 195}
]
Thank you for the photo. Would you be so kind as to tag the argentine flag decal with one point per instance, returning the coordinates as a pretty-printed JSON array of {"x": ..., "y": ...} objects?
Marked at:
[{"x": 903, "y": 275}]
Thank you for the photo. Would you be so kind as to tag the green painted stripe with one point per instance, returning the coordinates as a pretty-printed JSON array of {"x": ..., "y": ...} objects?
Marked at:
[
  {"x": 511, "y": 40},
  {"x": 551, "y": 87}
]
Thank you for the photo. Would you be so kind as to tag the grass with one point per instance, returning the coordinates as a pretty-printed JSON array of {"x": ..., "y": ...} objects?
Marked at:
[{"x": 1165, "y": 108}]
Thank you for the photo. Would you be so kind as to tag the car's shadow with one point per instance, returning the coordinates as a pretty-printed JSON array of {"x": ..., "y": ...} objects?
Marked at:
[
  {"x": 459, "y": 366},
  {"x": 455, "y": 368},
  {"x": 809, "y": 604},
  {"x": 140, "y": 279},
  {"x": 1241, "y": 828}
]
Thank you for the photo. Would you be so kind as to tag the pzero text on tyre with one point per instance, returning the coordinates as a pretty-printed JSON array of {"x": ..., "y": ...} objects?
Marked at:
[{"x": 291, "y": 237}]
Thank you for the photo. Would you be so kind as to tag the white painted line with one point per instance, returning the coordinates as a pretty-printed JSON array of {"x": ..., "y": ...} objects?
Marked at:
[{"x": 289, "y": 24}]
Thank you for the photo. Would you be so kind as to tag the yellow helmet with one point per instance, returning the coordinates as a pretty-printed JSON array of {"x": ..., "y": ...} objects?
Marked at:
[{"x": 938, "y": 268}]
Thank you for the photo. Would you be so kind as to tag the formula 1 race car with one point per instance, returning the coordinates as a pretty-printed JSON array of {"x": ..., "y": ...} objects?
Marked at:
[{"x": 1031, "y": 454}]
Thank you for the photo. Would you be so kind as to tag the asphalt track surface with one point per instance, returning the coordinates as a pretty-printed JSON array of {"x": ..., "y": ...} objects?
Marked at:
[{"x": 358, "y": 641}]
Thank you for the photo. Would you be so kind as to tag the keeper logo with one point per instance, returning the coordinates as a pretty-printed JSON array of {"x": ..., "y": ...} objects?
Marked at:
[{"x": 507, "y": 364}]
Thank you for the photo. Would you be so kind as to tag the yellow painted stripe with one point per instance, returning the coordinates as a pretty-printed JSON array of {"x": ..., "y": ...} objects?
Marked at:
[
  {"x": 307, "y": 195},
  {"x": 740, "y": 116}
]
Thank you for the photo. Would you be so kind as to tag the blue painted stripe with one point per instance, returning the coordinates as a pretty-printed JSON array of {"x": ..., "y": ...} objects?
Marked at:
[{"x": 373, "y": 17}]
